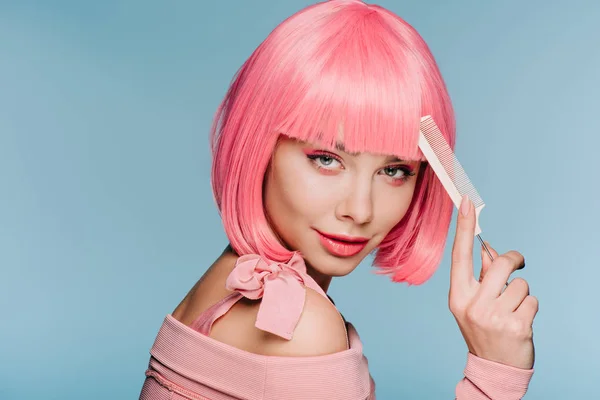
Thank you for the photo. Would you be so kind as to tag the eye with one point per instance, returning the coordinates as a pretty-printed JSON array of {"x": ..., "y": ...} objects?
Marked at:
[
  {"x": 398, "y": 172},
  {"x": 324, "y": 160},
  {"x": 392, "y": 171}
]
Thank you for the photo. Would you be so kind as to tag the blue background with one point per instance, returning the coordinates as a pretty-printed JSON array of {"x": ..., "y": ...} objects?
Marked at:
[{"x": 107, "y": 218}]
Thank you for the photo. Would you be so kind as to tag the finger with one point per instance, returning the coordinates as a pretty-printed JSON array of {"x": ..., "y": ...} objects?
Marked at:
[
  {"x": 528, "y": 308},
  {"x": 499, "y": 272},
  {"x": 461, "y": 271},
  {"x": 514, "y": 294},
  {"x": 485, "y": 259}
]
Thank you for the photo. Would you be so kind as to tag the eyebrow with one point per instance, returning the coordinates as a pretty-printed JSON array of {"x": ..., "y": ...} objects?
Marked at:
[{"x": 340, "y": 147}]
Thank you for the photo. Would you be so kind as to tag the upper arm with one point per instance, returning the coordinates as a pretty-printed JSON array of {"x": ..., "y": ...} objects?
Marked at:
[{"x": 320, "y": 330}]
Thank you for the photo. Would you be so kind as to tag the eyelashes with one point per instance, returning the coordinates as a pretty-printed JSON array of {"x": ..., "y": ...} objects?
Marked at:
[
  {"x": 407, "y": 172},
  {"x": 326, "y": 162},
  {"x": 325, "y": 159}
]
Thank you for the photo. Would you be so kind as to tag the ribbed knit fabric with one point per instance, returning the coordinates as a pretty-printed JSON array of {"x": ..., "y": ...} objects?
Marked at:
[
  {"x": 486, "y": 379},
  {"x": 183, "y": 358},
  {"x": 186, "y": 363}
]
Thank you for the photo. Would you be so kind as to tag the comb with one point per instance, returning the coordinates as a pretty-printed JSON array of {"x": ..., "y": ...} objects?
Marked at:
[{"x": 448, "y": 170}]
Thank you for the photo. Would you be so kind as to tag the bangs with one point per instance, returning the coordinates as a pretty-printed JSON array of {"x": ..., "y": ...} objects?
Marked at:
[{"x": 356, "y": 86}]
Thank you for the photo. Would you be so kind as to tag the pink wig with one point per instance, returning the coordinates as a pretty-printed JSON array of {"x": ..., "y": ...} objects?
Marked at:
[{"x": 340, "y": 63}]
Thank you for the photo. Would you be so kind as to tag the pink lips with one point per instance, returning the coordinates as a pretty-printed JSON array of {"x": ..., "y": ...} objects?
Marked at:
[{"x": 342, "y": 246}]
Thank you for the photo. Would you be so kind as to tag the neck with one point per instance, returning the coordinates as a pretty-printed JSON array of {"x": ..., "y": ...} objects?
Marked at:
[{"x": 322, "y": 280}]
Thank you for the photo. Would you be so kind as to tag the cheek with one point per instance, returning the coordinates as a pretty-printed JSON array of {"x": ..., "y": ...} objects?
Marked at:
[
  {"x": 391, "y": 207},
  {"x": 294, "y": 200},
  {"x": 302, "y": 192}
]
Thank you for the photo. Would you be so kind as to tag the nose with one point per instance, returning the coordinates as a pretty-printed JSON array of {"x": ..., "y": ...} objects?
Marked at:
[{"x": 356, "y": 204}]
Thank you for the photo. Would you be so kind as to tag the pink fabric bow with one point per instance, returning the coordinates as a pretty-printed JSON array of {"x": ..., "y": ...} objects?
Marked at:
[{"x": 280, "y": 285}]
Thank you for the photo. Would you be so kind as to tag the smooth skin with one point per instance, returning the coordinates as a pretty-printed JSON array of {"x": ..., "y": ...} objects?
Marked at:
[{"x": 496, "y": 323}]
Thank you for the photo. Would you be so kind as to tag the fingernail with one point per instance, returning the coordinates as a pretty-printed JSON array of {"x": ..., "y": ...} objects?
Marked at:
[{"x": 464, "y": 205}]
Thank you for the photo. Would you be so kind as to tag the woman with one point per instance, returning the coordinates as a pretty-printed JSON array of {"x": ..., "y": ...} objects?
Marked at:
[{"x": 315, "y": 166}]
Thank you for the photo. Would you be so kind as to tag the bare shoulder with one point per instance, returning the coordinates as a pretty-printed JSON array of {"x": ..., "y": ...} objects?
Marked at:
[{"x": 320, "y": 330}]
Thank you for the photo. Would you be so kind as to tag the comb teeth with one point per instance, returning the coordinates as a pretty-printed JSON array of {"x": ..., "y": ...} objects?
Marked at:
[{"x": 449, "y": 162}]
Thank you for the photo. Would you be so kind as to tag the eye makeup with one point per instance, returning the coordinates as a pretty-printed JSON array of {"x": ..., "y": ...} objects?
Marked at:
[
  {"x": 330, "y": 164},
  {"x": 407, "y": 173},
  {"x": 324, "y": 160}
]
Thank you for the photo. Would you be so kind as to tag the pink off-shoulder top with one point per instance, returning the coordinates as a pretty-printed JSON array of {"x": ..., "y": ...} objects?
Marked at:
[{"x": 185, "y": 363}]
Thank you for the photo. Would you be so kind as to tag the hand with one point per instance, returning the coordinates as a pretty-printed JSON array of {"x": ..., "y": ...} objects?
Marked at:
[{"x": 496, "y": 324}]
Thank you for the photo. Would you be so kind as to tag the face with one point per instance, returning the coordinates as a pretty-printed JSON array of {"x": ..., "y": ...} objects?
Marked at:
[{"x": 332, "y": 206}]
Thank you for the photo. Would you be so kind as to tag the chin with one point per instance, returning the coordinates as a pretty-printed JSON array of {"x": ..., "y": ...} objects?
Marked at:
[{"x": 330, "y": 265}]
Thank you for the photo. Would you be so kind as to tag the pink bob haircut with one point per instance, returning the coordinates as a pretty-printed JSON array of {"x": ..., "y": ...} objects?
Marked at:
[{"x": 336, "y": 64}]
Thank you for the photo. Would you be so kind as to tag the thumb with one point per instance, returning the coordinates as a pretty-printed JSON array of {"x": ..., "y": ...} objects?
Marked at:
[{"x": 486, "y": 262}]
